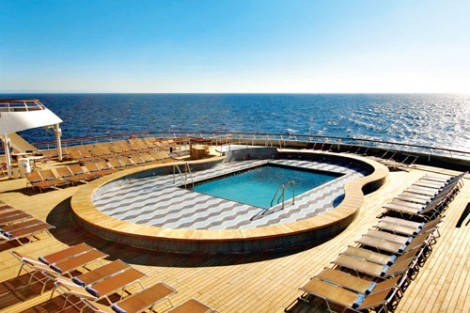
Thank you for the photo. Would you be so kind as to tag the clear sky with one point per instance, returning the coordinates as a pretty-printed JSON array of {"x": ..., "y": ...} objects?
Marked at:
[{"x": 235, "y": 46}]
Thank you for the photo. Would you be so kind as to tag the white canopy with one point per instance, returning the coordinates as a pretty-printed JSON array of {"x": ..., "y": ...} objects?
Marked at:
[
  {"x": 17, "y": 115},
  {"x": 12, "y": 122}
]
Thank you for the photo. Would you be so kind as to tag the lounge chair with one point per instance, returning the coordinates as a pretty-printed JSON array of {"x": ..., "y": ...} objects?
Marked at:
[
  {"x": 49, "y": 176},
  {"x": 422, "y": 228},
  {"x": 36, "y": 181},
  {"x": 126, "y": 162},
  {"x": 401, "y": 203},
  {"x": 13, "y": 216},
  {"x": 33, "y": 268},
  {"x": 103, "y": 166},
  {"x": 337, "y": 296},
  {"x": 429, "y": 212},
  {"x": 429, "y": 184},
  {"x": 102, "y": 151},
  {"x": 138, "y": 145},
  {"x": 116, "y": 163},
  {"x": 21, "y": 230},
  {"x": 147, "y": 158},
  {"x": 66, "y": 174},
  {"x": 100, "y": 273},
  {"x": 401, "y": 221},
  {"x": 79, "y": 174},
  {"x": 378, "y": 244},
  {"x": 110, "y": 285},
  {"x": 358, "y": 284},
  {"x": 84, "y": 154},
  {"x": 439, "y": 193},
  {"x": 145, "y": 299},
  {"x": 422, "y": 191},
  {"x": 192, "y": 306},
  {"x": 413, "y": 198},
  {"x": 137, "y": 160},
  {"x": 369, "y": 255},
  {"x": 440, "y": 179},
  {"x": 73, "y": 154},
  {"x": 67, "y": 289},
  {"x": 117, "y": 150},
  {"x": 138, "y": 302},
  {"x": 99, "y": 290},
  {"x": 65, "y": 253},
  {"x": 389, "y": 237},
  {"x": 66, "y": 266},
  {"x": 374, "y": 269},
  {"x": 150, "y": 142},
  {"x": 99, "y": 168}
]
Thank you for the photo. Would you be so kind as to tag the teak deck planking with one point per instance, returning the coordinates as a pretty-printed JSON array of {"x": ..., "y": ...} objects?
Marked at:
[{"x": 251, "y": 283}]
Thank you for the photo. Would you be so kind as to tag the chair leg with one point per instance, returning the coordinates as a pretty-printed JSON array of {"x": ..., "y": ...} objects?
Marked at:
[{"x": 21, "y": 268}]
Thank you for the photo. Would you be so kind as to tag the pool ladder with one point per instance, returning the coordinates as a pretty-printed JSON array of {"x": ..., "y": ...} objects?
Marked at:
[
  {"x": 184, "y": 176},
  {"x": 283, "y": 188}
]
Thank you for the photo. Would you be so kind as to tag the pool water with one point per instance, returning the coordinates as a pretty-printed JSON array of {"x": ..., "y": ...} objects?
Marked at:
[{"x": 257, "y": 186}]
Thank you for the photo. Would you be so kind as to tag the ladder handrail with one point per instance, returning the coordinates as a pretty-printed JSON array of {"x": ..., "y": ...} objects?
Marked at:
[
  {"x": 183, "y": 177},
  {"x": 281, "y": 185},
  {"x": 291, "y": 182},
  {"x": 283, "y": 192},
  {"x": 187, "y": 169}
]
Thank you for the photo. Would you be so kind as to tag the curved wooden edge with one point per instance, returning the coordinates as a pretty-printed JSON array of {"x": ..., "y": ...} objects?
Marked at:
[{"x": 338, "y": 219}]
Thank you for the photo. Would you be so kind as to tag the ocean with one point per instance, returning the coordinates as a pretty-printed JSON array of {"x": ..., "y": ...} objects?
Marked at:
[{"x": 437, "y": 120}]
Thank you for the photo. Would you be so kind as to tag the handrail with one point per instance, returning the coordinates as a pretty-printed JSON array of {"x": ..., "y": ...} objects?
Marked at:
[
  {"x": 291, "y": 182},
  {"x": 187, "y": 169},
  {"x": 283, "y": 187},
  {"x": 262, "y": 136},
  {"x": 183, "y": 177},
  {"x": 280, "y": 186}
]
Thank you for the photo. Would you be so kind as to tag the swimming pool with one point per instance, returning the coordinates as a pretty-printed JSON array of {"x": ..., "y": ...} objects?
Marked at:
[{"x": 258, "y": 186}]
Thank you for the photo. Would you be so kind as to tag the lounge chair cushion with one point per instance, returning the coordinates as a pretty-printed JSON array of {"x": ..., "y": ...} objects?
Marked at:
[
  {"x": 384, "y": 271},
  {"x": 359, "y": 301},
  {"x": 43, "y": 260},
  {"x": 92, "y": 291},
  {"x": 7, "y": 235},
  {"x": 56, "y": 268},
  {"x": 392, "y": 260},
  {"x": 78, "y": 281},
  {"x": 116, "y": 308},
  {"x": 371, "y": 287}
]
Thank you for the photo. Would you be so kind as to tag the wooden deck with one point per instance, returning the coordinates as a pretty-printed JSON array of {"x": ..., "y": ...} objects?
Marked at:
[{"x": 254, "y": 283}]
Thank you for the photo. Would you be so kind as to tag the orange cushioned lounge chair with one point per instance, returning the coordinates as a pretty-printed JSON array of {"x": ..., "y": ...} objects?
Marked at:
[
  {"x": 27, "y": 229},
  {"x": 335, "y": 296},
  {"x": 138, "y": 302}
]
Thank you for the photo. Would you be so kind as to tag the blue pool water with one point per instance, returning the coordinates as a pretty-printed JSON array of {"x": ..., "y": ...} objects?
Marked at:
[{"x": 256, "y": 187}]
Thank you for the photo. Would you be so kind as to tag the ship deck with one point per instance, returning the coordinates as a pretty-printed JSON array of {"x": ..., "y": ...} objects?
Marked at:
[{"x": 242, "y": 283}]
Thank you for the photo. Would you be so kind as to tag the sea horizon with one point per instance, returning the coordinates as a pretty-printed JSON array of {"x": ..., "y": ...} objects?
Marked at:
[{"x": 435, "y": 120}]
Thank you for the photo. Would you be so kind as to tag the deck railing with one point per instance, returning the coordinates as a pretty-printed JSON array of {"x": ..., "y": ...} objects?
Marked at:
[
  {"x": 20, "y": 105},
  {"x": 271, "y": 139}
]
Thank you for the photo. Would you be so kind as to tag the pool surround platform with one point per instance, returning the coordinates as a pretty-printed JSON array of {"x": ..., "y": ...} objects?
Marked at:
[{"x": 300, "y": 234}]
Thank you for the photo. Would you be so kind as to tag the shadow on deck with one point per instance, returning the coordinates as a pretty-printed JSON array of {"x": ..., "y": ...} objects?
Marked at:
[{"x": 70, "y": 233}]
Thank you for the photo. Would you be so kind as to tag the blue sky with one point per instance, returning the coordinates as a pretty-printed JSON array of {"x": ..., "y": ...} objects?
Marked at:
[{"x": 235, "y": 46}]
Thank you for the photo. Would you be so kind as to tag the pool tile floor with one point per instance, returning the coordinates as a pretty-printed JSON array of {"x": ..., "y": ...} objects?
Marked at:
[{"x": 162, "y": 200}]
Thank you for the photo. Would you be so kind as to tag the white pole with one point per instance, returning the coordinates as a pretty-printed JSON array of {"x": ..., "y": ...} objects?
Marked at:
[
  {"x": 6, "y": 147},
  {"x": 58, "y": 133}
]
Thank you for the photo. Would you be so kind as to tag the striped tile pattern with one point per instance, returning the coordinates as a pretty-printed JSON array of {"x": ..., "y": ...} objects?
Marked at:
[{"x": 160, "y": 200}]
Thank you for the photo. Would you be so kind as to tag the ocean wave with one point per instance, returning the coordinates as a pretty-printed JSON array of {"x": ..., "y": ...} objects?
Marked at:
[{"x": 431, "y": 120}]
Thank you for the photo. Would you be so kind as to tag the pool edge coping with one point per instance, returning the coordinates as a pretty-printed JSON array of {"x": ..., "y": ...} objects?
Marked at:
[{"x": 117, "y": 230}]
